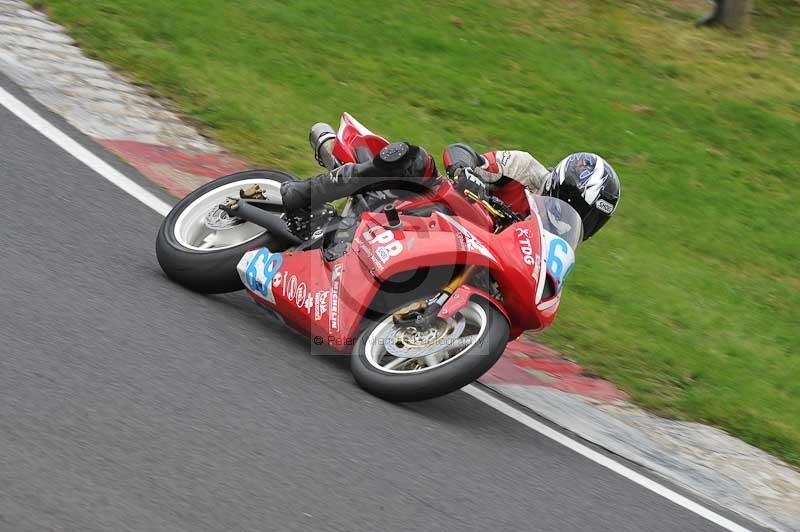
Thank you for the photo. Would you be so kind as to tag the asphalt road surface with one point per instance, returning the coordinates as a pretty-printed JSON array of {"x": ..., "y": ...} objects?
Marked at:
[{"x": 129, "y": 403}]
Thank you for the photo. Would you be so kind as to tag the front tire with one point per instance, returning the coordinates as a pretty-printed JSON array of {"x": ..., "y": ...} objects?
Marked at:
[
  {"x": 205, "y": 260},
  {"x": 387, "y": 376}
]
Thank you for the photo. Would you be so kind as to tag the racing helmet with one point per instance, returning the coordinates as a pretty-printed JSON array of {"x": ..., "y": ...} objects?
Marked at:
[{"x": 590, "y": 185}]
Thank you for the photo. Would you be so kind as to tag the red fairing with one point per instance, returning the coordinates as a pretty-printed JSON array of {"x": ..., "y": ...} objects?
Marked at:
[
  {"x": 437, "y": 240},
  {"x": 319, "y": 298},
  {"x": 461, "y": 297},
  {"x": 524, "y": 266},
  {"x": 448, "y": 197},
  {"x": 327, "y": 300},
  {"x": 353, "y": 137},
  {"x": 355, "y": 143}
]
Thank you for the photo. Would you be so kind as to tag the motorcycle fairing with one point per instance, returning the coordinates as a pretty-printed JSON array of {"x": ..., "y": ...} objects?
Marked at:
[
  {"x": 354, "y": 142},
  {"x": 523, "y": 277},
  {"x": 329, "y": 299},
  {"x": 447, "y": 196},
  {"x": 418, "y": 242},
  {"x": 309, "y": 293},
  {"x": 462, "y": 296}
]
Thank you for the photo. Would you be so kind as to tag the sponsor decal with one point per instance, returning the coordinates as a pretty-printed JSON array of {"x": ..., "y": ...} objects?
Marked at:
[
  {"x": 300, "y": 296},
  {"x": 290, "y": 287},
  {"x": 320, "y": 305},
  {"x": 524, "y": 239},
  {"x": 604, "y": 206},
  {"x": 467, "y": 240},
  {"x": 336, "y": 282},
  {"x": 379, "y": 245},
  {"x": 462, "y": 242},
  {"x": 505, "y": 157},
  {"x": 366, "y": 250},
  {"x": 389, "y": 247},
  {"x": 383, "y": 254}
]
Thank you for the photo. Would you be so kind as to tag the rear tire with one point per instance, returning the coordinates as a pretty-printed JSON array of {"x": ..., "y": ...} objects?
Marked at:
[
  {"x": 454, "y": 373},
  {"x": 211, "y": 271}
]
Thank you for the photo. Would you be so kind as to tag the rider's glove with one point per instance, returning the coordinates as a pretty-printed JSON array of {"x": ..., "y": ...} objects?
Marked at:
[
  {"x": 454, "y": 169},
  {"x": 468, "y": 180}
]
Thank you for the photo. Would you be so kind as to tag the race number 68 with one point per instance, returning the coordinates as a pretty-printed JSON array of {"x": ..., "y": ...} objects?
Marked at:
[
  {"x": 559, "y": 260},
  {"x": 264, "y": 265}
]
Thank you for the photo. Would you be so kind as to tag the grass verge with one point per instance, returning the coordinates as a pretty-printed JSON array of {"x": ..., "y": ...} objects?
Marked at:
[{"x": 689, "y": 300}]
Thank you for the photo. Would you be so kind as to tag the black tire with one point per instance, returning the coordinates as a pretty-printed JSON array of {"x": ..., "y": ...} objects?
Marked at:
[
  {"x": 436, "y": 381},
  {"x": 212, "y": 271}
]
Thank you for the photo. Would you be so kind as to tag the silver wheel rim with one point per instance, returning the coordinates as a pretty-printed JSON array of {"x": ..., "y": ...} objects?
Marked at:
[
  {"x": 190, "y": 228},
  {"x": 379, "y": 358}
]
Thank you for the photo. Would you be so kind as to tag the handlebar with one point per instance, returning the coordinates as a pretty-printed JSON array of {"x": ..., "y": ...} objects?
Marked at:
[{"x": 495, "y": 206}]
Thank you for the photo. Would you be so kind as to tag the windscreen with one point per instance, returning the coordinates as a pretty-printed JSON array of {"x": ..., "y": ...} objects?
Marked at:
[{"x": 558, "y": 218}]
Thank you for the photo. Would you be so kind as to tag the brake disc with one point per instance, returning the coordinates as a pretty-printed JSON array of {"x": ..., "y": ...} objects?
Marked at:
[
  {"x": 219, "y": 220},
  {"x": 411, "y": 342}
]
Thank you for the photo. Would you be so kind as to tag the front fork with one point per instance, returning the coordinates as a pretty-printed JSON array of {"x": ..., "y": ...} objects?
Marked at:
[{"x": 419, "y": 316}]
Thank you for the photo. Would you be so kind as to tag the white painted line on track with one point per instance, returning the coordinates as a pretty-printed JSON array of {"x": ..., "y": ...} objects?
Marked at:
[
  {"x": 113, "y": 175},
  {"x": 72, "y": 147},
  {"x": 601, "y": 459}
]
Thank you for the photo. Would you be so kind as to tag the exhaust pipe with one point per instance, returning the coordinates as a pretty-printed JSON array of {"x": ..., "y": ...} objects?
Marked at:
[{"x": 322, "y": 138}]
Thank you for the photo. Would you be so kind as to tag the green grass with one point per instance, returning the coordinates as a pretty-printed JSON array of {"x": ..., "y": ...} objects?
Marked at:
[{"x": 690, "y": 298}]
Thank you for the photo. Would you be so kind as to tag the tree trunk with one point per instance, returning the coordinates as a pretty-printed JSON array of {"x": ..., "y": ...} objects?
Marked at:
[{"x": 733, "y": 14}]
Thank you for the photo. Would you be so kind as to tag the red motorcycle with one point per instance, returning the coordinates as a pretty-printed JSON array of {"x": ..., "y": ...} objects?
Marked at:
[{"x": 425, "y": 289}]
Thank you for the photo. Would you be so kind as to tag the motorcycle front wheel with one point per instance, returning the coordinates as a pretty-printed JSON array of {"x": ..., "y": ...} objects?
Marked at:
[
  {"x": 199, "y": 246},
  {"x": 438, "y": 359}
]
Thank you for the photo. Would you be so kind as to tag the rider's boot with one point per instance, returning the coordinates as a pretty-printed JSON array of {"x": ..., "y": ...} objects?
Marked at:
[{"x": 396, "y": 165}]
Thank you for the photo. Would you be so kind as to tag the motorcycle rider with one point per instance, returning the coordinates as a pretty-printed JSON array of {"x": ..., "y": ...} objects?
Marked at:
[{"x": 584, "y": 180}]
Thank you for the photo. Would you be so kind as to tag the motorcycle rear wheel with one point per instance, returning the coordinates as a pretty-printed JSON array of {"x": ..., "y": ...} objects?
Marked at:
[
  {"x": 460, "y": 361},
  {"x": 203, "y": 259}
]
